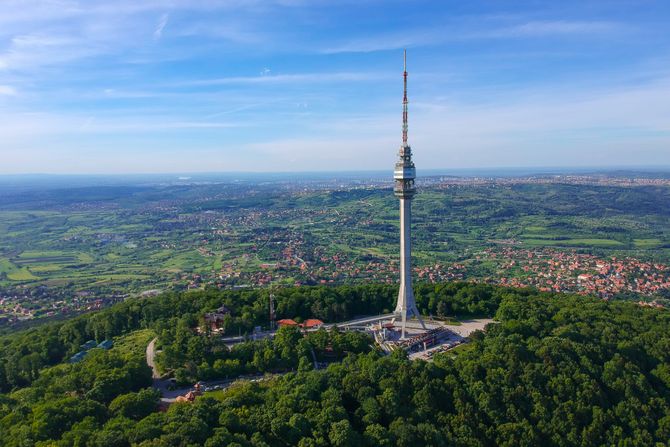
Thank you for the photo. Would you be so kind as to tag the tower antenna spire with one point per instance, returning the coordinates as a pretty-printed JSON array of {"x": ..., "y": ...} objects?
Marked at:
[{"x": 404, "y": 100}]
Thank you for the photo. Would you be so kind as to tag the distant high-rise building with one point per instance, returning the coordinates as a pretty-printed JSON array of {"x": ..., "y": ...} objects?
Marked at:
[{"x": 404, "y": 189}]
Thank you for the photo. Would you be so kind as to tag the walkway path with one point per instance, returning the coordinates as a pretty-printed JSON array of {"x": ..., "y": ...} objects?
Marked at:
[
  {"x": 151, "y": 358},
  {"x": 467, "y": 327},
  {"x": 158, "y": 383},
  {"x": 170, "y": 395}
]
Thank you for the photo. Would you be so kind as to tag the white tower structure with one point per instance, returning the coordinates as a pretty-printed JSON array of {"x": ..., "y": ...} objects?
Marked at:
[{"x": 404, "y": 189}]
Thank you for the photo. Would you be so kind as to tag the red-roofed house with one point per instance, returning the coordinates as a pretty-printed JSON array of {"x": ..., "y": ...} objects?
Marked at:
[
  {"x": 287, "y": 322},
  {"x": 312, "y": 323}
]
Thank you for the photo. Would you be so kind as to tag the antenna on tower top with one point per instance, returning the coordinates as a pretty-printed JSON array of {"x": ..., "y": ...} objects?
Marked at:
[{"x": 404, "y": 100}]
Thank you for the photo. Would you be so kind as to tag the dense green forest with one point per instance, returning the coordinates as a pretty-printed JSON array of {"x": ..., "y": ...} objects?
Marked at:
[
  {"x": 24, "y": 354},
  {"x": 556, "y": 370}
]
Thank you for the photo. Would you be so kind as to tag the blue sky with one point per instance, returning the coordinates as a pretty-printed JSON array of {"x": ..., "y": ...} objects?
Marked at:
[{"x": 133, "y": 86}]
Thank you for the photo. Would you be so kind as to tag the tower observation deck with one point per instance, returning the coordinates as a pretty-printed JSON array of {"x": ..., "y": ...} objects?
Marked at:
[{"x": 404, "y": 175}]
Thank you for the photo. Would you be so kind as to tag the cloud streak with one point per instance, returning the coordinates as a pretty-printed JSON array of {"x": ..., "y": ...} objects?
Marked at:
[
  {"x": 457, "y": 32},
  {"x": 158, "y": 32},
  {"x": 557, "y": 28},
  {"x": 7, "y": 90},
  {"x": 295, "y": 78}
]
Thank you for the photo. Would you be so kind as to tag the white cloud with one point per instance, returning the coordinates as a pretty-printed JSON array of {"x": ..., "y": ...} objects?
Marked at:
[
  {"x": 33, "y": 50},
  {"x": 548, "y": 28},
  {"x": 289, "y": 78},
  {"x": 158, "y": 32},
  {"x": 235, "y": 30},
  {"x": 616, "y": 126},
  {"x": 458, "y": 31},
  {"x": 57, "y": 32},
  {"x": 7, "y": 90},
  {"x": 611, "y": 126},
  {"x": 383, "y": 42},
  {"x": 37, "y": 128}
]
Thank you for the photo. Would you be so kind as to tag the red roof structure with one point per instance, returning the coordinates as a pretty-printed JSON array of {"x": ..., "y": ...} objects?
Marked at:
[
  {"x": 287, "y": 322},
  {"x": 312, "y": 322}
]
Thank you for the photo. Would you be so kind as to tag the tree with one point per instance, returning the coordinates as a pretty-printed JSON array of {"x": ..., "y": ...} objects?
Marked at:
[
  {"x": 442, "y": 309},
  {"x": 342, "y": 435},
  {"x": 135, "y": 405},
  {"x": 55, "y": 417}
]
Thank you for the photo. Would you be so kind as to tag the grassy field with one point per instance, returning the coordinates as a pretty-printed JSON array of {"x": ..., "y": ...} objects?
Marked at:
[
  {"x": 460, "y": 349},
  {"x": 22, "y": 274},
  {"x": 15, "y": 272},
  {"x": 647, "y": 243},
  {"x": 6, "y": 266},
  {"x": 548, "y": 241},
  {"x": 134, "y": 343}
]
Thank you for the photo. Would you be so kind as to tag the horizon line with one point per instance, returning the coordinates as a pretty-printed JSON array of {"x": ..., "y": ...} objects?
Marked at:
[{"x": 597, "y": 168}]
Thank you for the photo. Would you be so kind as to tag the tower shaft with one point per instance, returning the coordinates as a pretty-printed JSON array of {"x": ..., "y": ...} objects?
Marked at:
[
  {"x": 404, "y": 189},
  {"x": 406, "y": 302}
]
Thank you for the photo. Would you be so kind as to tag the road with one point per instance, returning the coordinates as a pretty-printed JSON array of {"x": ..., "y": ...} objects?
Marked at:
[
  {"x": 170, "y": 395},
  {"x": 158, "y": 383},
  {"x": 464, "y": 330},
  {"x": 151, "y": 358},
  {"x": 361, "y": 321}
]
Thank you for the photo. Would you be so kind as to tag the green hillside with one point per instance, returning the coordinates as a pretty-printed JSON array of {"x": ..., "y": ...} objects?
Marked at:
[{"x": 557, "y": 370}]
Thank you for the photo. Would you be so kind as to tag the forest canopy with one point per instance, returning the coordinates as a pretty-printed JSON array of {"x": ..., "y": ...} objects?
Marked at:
[{"x": 554, "y": 370}]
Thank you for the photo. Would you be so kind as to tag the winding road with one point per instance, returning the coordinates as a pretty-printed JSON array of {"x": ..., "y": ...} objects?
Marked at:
[
  {"x": 161, "y": 385},
  {"x": 151, "y": 356},
  {"x": 170, "y": 395}
]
